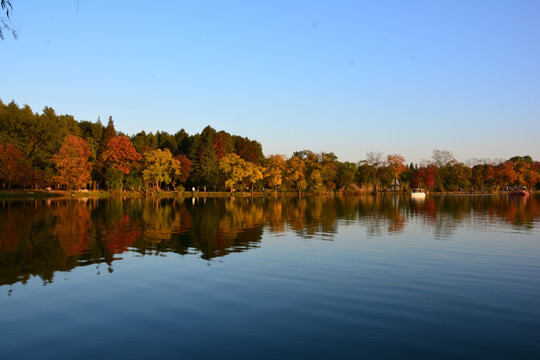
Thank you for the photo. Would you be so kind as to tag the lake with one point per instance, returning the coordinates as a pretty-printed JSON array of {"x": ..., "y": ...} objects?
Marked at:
[{"x": 271, "y": 278}]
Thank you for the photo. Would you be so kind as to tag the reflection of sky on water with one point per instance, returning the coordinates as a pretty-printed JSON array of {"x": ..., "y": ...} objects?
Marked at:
[{"x": 39, "y": 238}]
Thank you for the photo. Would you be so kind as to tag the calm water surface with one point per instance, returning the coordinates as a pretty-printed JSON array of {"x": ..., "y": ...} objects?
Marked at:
[{"x": 318, "y": 278}]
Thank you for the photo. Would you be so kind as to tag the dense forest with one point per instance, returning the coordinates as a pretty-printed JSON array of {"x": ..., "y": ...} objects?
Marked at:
[{"x": 57, "y": 151}]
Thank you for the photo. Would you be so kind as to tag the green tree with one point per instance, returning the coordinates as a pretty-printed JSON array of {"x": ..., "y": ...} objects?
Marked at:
[
  {"x": 92, "y": 133},
  {"x": 114, "y": 179},
  {"x": 346, "y": 174},
  {"x": 205, "y": 164},
  {"x": 167, "y": 141},
  {"x": 144, "y": 142}
]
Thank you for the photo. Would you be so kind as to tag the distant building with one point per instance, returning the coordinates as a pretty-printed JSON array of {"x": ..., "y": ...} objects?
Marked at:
[{"x": 395, "y": 185}]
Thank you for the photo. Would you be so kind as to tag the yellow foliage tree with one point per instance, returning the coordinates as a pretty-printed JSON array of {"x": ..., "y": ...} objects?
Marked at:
[
  {"x": 295, "y": 173},
  {"x": 234, "y": 170},
  {"x": 274, "y": 170}
]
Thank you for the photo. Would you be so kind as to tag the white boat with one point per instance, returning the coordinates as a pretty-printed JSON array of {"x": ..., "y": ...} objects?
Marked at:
[{"x": 418, "y": 193}]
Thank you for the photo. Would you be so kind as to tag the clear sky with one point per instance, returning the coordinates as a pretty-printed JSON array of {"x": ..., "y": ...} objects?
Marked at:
[{"x": 349, "y": 77}]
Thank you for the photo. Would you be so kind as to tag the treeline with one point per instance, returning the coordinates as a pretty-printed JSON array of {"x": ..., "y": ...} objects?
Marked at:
[{"x": 57, "y": 151}]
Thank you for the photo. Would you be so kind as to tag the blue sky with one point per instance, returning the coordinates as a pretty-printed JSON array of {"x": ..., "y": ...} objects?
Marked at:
[{"x": 349, "y": 77}]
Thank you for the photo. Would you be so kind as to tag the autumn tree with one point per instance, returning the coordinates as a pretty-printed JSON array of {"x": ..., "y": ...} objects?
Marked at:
[
  {"x": 249, "y": 150},
  {"x": 396, "y": 165},
  {"x": 506, "y": 174},
  {"x": 254, "y": 173},
  {"x": 425, "y": 177},
  {"x": 531, "y": 177},
  {"x": 10, "y": 158},
  {"x": 328, "y": 170},
  {"x": 38, "y": 137},
  {"x": 275, "y": 164},
  {"x": 120, "y": 154},
  {"x": 295, "y": 174},
  {"x": 234, "y": 170},
  {"x": 223, "y": 144},
  {"x": 159, "y": 166},
  {"x": 312, "y": 169},
  {"x": 185, "y": 166},
  {"x": 72, "y": 164}
]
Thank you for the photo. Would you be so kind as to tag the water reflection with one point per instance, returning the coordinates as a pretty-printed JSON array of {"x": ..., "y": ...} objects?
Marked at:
[{"x": 39, "y": 238}]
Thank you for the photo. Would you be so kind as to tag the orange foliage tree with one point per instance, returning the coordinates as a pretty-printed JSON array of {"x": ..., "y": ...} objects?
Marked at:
[
  {"x": 396, "y": 165},
  {"x": 71, "y": 161},
  {"x": 10, "y": 158},
  {"x": 120, "y": 154}
]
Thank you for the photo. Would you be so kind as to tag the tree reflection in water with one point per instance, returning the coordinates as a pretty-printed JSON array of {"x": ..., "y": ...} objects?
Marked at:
[{"x": 39, "y": 238}]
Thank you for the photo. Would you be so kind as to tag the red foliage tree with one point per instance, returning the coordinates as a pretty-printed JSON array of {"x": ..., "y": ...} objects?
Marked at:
[
  {"x": 425, "y": 177},
  {"x": 120, "y": 154},
  {"x": 223, "y": 144},
  {"x": 185, "y": 168},
  {"x": 10, "y": 158},
  {"x": 71, "y": 161}
]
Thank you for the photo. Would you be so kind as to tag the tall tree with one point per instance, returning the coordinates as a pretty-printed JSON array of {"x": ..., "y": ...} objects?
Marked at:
[
  {"x": 205, "y": 169},
  {"x": 71, "y": 161},
  {"x": 100, "y": 168},
  {"x": 92, "y": 133}
]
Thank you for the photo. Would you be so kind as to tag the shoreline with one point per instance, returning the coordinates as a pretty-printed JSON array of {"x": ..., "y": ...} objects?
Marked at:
[{"x": 99, "y": 194}]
